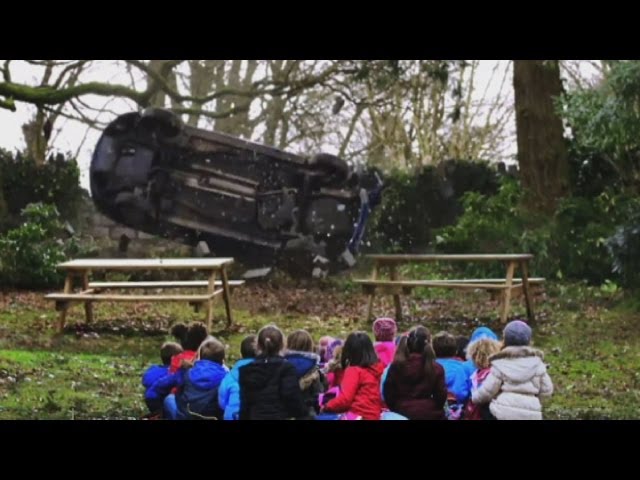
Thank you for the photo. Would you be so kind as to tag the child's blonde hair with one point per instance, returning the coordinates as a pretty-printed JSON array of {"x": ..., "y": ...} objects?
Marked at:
[
  {"x": 334, "y": 363},
  {"x": 481, "y": 350}
]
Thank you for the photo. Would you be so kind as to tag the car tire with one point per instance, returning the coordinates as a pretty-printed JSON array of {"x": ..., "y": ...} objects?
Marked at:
[
  {"x": 335, "y": 170},
  {"x": 167, "y": 123}
]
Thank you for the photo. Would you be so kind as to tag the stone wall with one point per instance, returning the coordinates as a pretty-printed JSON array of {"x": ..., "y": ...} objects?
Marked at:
[
  {"x": 103, "y": 227},
  {"x": 107, "y": 236}
]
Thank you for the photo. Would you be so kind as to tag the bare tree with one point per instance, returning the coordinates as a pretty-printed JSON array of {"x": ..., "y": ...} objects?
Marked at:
[
  {"x": 431, "y": 111},
  {"x": 581, "y": 74},
  {"x": 214, "y": 83},
  {"x": 396, "y": 114}
]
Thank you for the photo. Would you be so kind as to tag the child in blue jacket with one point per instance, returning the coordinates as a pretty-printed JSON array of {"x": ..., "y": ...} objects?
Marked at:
[
  {"x": 197, "y": 387},
  {"x": 229, "y": 392},
  {"x": 156, "y": 372}
]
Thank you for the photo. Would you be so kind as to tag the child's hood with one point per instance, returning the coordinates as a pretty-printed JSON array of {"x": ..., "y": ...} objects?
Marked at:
[
  {"x": 153, "y": 373},
  {"x": 235, "y": 371},
  {"x": 207, "y": 374},
  {"x": 519, "y": 364},
  {"x": 303, "y": 361},
  {"x": 377, "y": 369},
  {"x": 386, "y": 347}
]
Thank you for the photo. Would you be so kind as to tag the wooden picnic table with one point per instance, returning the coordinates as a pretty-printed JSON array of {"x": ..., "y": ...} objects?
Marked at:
[
  {"x": 397, "y": 286},
  {"x": 93, "y": 291}
]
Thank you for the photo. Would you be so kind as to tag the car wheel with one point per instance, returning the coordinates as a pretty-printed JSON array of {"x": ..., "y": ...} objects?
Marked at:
[
  {"x": 167, "y": 123},
  {"x": 335, "y": 170}
]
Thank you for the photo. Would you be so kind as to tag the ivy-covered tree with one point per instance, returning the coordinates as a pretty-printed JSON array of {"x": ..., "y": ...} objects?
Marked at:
[{"x": 542, "y": 151}]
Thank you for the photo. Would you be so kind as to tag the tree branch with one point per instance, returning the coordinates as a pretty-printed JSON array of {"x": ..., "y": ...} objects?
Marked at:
[
  {"x": 208, "y": 114},
  {"x": 6, "y": 73},
  {"x": 347, "y": 137},
  {"x": 52, "y": 96},
  {"x": 277, "y": 88},
  {"x": 82, "y": 117},
  {"x": 8, "y": 104},
  {"x": 44, "y": 63},
  {"x": 160, "y": 78},
  {"x": 47, "y": 74},
  {"x": 97, "y": 125},
  {"x": 98, "y": 110},
  {"x": 67, "y": 69}
]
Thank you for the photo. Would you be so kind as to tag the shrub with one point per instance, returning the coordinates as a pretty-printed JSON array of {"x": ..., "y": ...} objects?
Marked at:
[
  {"x": 415, "y": 203},
  {"x": 29, "y": 253},
  {"x": 22, "y": 182}
]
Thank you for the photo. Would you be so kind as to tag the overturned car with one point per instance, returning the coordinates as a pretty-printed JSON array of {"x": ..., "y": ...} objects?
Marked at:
[{"x": 258, "y": 204}]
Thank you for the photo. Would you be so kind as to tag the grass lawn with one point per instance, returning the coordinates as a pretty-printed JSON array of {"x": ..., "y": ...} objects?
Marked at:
[{"x": 591, "y": 339}]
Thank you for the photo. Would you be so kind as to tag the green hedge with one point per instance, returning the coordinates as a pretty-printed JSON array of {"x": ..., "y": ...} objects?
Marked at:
[
  {"x": 415, "y": 203},
  {"x": 22, "y": 181},
  {"x": 571, "y": 244}
]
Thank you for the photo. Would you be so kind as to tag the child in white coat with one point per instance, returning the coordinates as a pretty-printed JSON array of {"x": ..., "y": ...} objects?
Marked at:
[{"x": 518, "y": 378}]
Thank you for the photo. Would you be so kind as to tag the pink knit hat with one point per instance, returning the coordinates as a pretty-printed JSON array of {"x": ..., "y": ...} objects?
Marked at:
[
  {"x": 385, "y": 329},
  {"x": 323, "y": 344}
]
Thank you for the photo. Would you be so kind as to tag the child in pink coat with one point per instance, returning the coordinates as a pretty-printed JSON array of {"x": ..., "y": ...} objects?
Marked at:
[{"x": 384, "y": 331}]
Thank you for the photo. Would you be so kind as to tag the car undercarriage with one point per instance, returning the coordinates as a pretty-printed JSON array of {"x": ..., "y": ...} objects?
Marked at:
[{"x": 261, "y": 205}]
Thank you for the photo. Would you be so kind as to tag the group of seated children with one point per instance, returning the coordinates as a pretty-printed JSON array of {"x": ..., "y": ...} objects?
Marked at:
[{"x": 411, "y": 376}]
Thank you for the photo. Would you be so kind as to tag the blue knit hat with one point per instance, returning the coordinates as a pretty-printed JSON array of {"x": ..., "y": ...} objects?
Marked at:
[
  {"x": 517, "y": 333},
  {"x": 482, "y": 332}
]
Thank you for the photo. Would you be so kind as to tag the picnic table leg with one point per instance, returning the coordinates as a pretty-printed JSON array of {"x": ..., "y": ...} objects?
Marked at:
[
  {"x": 374, "y": 276},
  {"x": 226, "y": 296},
  {"x": 526, "y": 290},
  {"x": 88, "y": 306},
  {"x": 211, "y": 288},
  {"x": 68, "y": 287},
  {"x": 396, "y": 297},
  {"x": 506, "y": 296}
]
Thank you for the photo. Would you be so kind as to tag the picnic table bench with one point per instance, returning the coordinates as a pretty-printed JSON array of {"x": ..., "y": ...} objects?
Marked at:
[
  {"x": 397, "y": 287},
  {"x": 92, "y": 292}
]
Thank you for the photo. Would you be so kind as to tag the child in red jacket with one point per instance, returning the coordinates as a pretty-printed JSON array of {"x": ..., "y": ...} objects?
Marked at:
[
  {"x": 360, "y": 387},
  {"x": 190, "y": 338}
]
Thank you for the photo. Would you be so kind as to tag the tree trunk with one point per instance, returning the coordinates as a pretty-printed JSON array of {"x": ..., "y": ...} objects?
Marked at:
[
  {"x": 34, "y": 138},
  {"x": 244, "y": 126},
  {"x": 542, "y": 153},
  {"x": 203, "y": 75},
  {"x": 239, "y": 76},
  {"x": 275, "y": 106},
  {"x": 33, "y": 130},
  {"x": 3, "y": 203},
  {"x": 158, "y": 98}
]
